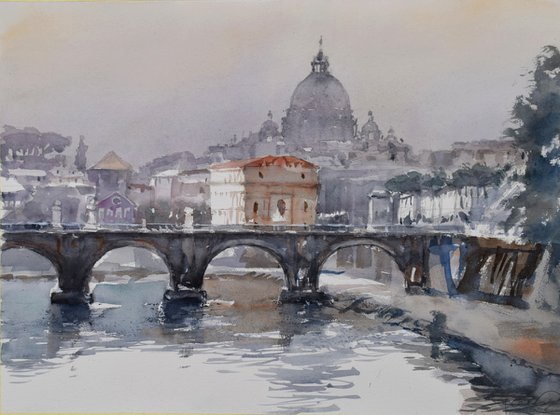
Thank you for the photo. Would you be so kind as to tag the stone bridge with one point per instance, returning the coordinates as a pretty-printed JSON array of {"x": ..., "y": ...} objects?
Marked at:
[{"x": 301, "y": 252}]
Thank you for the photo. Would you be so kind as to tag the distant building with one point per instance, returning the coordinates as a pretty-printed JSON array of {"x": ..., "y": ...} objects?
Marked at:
[
  {"x": 493, "y": 153},
  {"x": 319, "y": 109},
  {"x": 270, "y": 141},
  {"x": 176, "y": 190},
  {"x": 116, "y": 209},
  {"x": 13, "y": 195},
  {"x": 68, "y": 177},
  {"x": 161, "y": 183},
  {"x": 192, "y": 188},
  {"x": 370, "y": 131},
  {"x": 266, "y": 190},
  {"x": 110, "y": 174},
  {"x": 380, "y": 208},
  {"x": 141, "y": 194},
  {"x": 29, "y": 178}
]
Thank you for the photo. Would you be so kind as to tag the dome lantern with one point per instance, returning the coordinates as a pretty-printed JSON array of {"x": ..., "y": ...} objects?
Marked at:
[{"x": 320, "y": 62}]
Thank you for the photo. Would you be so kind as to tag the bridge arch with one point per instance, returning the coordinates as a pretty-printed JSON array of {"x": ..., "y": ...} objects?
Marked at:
[
  {"x": 254, "y": 243},
  {"x": 38, "y": 252},
  {"x": 156, "y": 266},
  {"x": 39, "y": 249},
  {"x": 135, "y": 243},
  {"x": 337, "y": 246}
]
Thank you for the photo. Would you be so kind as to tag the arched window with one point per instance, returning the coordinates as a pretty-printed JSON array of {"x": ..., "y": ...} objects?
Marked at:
[
  {"x": 305, "y": 207},
  {"x": 255, "y": 207},
  {"x": 281, "y": 205},
  {"x": 261, "y": 175}
]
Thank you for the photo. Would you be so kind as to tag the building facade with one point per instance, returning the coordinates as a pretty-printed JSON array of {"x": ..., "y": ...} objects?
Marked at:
[
  {"x": 116, "y": 209},
  {"x": 110, "y": 174},
  {"x": 265, "y": 191}
]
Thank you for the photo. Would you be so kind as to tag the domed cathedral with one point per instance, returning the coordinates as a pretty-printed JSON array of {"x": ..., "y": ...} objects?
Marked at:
[{"x": 319, "y": 109}]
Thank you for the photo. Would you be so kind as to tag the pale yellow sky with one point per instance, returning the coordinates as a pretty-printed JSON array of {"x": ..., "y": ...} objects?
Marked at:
[{"x": 173, "y": 76}]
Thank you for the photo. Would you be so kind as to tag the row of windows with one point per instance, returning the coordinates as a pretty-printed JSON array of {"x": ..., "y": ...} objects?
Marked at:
[
  {"x": 235, "y": 179},
  {"x": 118, "y": 213}
]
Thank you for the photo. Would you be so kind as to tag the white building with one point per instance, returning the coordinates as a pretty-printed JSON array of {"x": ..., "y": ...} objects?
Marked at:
[{"x": 161, "y": 183}]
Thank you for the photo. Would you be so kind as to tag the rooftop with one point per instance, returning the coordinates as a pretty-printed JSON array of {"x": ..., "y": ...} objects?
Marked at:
[
  {"x": 111, "y": 161},
  {"x": 288, "y": 161}
]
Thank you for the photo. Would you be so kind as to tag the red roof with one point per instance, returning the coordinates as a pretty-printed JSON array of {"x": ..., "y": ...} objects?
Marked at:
[{"x": 288, "y": 161}]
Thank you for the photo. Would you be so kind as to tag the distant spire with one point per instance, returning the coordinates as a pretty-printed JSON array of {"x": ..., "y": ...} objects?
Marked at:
[{"x": 321, "y": 42}]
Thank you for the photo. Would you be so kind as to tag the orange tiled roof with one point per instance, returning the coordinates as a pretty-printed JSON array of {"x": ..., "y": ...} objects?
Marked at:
[{"x": 266, "y": 161}]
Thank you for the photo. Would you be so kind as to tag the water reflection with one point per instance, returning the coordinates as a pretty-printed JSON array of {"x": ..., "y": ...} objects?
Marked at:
[{"x": 311, "y": 358}]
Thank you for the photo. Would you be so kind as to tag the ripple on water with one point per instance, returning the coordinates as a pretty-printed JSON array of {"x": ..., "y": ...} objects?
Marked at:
[{"x": 278, "y": 359}]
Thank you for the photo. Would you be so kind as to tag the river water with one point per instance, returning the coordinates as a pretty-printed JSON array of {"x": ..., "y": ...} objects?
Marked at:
[{"x": 240, "y": 354}]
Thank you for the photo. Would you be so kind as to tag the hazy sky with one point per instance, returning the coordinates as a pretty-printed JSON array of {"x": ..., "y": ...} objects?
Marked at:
[{"x": 151, "y": 78}]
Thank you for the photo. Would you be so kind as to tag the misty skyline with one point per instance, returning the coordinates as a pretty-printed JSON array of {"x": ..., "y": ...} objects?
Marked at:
[{"x": 147, "y": 79}]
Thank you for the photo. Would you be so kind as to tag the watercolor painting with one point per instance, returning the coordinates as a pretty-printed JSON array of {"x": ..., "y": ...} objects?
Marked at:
[{"x": 280, "y": 207}]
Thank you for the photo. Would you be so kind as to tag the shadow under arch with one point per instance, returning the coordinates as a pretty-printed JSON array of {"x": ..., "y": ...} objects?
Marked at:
[
  {"x": 51, "y": 257},
  {"x": 238, "y": 243},
  {"x": 248, "y": 279},
  {"x": 356, "y": 243},
  {"x": 138, "y": 244}
]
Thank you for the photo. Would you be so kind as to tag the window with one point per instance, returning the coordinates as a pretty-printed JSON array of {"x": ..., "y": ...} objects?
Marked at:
[
  {"x": 118, "y": 213},
  {"x": 303, "y": 175},
  {"x": 255, "y": 207},
  {"x": 305, "y": 207},
  {"x": 281, "y": 205},
  {"x": 261, "y": 175},
  {"x": 101, "y": 213}
]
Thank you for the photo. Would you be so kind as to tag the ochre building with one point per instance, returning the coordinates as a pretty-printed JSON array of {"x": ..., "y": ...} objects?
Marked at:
[{"x": 264, "y": 191}]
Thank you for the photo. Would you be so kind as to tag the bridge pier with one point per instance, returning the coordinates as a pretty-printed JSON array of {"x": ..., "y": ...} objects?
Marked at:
[
  {"x": 414, "y": 264},
  {"x": 303, "y": 283},
  {"x": 72, "y": 286},
  {"x": 187, "y": 286},
  {"x": 187, "y": 261}
]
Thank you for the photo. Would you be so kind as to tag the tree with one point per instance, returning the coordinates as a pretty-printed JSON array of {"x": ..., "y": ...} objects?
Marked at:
[
  {"x": 537, "y": 133},
  {"x": 479, "y": 175},
  {"x": 436, "y": 183},
  {"x": 411, "y": 183},
  {"x": 81, "y": 159},
  {"x": 29, "y": 148}
]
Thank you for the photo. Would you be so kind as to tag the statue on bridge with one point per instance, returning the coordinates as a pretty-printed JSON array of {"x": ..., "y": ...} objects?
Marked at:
[
  {"x": 91, "y": 208},
  {"x": 56, "y": 212}
]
